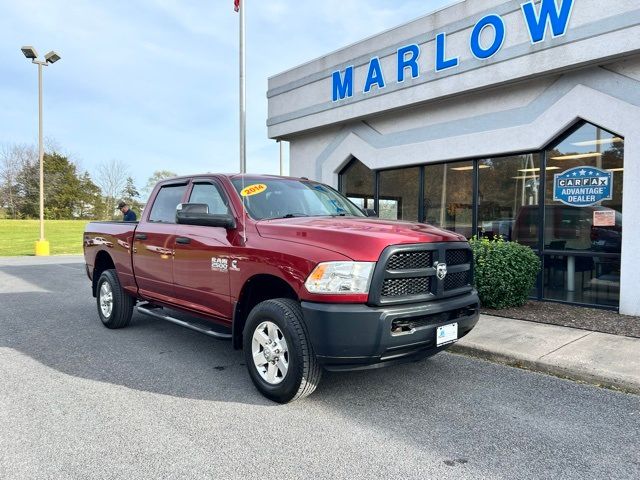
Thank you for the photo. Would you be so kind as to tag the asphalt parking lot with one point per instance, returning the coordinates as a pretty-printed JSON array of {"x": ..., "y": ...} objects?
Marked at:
[{"x": 157, "y": 401}]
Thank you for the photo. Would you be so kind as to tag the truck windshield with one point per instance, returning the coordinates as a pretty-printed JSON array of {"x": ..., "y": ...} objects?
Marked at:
[{"x": 270, "y": 198}]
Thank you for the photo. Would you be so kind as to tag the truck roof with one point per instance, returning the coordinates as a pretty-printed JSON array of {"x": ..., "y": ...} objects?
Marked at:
[{"x": 231, "y": 176}]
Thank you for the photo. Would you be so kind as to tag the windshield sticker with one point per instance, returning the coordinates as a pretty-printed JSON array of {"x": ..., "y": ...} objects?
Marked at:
[{"x": 253, "y": 189}]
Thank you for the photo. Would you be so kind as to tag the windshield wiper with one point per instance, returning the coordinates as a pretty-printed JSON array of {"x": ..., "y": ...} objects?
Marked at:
[{"x": 290, "y": 215}]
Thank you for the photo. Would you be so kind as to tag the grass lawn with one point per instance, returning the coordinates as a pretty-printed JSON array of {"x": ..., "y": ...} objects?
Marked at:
[{"x": 18, "y": 237}]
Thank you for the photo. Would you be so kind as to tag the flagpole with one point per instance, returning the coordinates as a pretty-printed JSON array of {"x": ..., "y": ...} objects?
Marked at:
[{"x": 243, "y": 94}]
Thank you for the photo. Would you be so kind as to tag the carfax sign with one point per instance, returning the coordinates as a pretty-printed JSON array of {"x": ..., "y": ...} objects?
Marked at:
[{"x": 582, "y": 186}]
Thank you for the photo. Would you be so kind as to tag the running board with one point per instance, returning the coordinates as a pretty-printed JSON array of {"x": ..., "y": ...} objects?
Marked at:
[{"x": 145, "y": 310}]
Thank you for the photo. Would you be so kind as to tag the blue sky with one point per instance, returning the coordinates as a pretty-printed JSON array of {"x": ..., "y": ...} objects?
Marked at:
[{"x": 154, "y": 83}]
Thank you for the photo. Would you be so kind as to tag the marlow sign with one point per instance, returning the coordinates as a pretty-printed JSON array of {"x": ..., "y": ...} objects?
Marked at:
[
  {"x": 582, "y": 186},
  {"x": 407, "y": 57}
]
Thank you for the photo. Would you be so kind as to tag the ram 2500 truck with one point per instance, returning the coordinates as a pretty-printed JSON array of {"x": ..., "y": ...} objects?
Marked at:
[{"x": 290, "y": 271}]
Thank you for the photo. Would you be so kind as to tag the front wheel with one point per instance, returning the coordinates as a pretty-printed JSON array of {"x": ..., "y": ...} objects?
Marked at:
[
  {"x": 115, "y": 306},
  {"x": 277, "y": 351}
]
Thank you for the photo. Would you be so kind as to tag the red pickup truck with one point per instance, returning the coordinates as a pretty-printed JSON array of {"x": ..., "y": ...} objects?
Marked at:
[{"x": 290, "y": 271}]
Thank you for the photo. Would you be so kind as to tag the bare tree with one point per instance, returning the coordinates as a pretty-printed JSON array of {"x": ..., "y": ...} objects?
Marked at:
[
  {"x": 13, "y": 158},
  {"x": 111, "y": 177}
]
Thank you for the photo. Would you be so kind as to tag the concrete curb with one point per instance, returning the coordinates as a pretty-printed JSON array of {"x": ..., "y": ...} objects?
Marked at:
[{"x": 603, "y": 360}]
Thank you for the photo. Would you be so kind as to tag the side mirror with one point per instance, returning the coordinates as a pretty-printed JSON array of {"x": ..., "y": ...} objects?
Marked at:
[
  {"x": 198, "y": 214},
  {"x": 370, "y": 212}
]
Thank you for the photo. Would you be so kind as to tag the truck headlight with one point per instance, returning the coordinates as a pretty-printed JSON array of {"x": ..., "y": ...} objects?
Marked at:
[{"x": 340, "y": 278}]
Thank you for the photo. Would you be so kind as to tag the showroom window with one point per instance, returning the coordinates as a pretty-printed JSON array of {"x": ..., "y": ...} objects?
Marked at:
[
  {"x": 507, "y": 196},
  {"x": 583, "y": 234},
  {"x": 357, "y": 182},
  {"x": 399, "y": 192},
  {"x": 564, "y": 202},
  {"x": 448, "y": 196}
]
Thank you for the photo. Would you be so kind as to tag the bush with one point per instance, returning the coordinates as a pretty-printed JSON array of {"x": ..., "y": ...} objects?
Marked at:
[{"x": 504, "y": 272}]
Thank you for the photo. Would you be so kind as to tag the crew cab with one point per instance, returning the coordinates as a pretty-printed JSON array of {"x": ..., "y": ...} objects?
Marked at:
[{"x": 290, "y": 271}]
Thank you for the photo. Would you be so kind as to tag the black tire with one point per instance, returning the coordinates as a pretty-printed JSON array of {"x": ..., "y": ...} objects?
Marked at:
[
  {"x": 122, "y": 303},
  {"x": 304, "y": 372}
]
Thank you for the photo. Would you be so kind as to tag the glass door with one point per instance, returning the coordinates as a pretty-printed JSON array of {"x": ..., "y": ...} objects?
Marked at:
[{"x": 582, "y": 234}]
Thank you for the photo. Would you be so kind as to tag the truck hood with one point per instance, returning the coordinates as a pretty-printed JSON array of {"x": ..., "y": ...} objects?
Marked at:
[{"x": 361, "y": 239}]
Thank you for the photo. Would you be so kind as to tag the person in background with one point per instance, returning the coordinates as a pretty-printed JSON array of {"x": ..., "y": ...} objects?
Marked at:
[{"x": 128, "y": 214}]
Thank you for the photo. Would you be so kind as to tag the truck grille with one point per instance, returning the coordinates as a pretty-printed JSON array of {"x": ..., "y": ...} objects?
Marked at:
[
  {"x": 407, "y": 273},
  {"x": 457, "y": 280},
  {"x": 410, "y": 260},
  {"x": 458, "y": 256},
  {"x": 399, "y": 287}
]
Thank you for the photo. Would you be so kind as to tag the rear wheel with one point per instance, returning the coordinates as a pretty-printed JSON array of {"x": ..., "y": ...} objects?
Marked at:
[
  {"x": 277, "y": 351},
  {"x": 115, "y": 306}
]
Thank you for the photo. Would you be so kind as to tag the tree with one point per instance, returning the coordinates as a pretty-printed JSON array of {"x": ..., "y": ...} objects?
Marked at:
[
  {"x": 130, "y": 191},
  {"x": 111, "y": 177},
  {"x": 90, "y": 202},
  {"x": 155, "y": 178},
  {"x": 13, "y": 158},
  {"x": 131, "y": 195},
  {"x": 67, "y": 194}
]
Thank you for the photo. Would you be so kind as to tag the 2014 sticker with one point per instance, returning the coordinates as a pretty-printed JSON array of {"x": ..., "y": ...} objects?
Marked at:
[{"x": 253, "y": 189}]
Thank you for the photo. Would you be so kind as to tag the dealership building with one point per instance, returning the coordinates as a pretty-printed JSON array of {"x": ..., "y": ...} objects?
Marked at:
[{"x": 489, "y": 117}]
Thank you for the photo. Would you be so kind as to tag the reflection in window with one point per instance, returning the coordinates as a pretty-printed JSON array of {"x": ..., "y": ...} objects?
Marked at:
[
  {"x": 590, "y": 280},
  {"x": 209, "y": 194},
  {"x": 399, "y": 194},
  {"x": 572, "y": 228},
  {"x": 508, "y": 197},
  {"x": 448, "y": 196},
  {"x": 358, "y": 184},
  {"x": 165, "y": 204},
  {"x": 591, "y": 274}
]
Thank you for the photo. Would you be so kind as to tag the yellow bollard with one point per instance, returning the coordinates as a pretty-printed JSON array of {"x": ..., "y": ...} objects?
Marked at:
[{"x": 42, "y": 248}]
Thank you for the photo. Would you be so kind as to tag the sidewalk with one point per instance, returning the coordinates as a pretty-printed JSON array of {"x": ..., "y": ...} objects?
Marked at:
[{"x": 598, "y": 358}]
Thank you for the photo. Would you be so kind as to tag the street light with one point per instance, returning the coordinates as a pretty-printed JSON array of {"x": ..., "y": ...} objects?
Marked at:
[{"x": 42, "y": 246}]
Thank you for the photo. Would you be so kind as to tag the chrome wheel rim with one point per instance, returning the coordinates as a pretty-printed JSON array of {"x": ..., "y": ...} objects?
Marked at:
[
  {"x": 106, "y": 299},
  {"x": 270, "y": 353}
]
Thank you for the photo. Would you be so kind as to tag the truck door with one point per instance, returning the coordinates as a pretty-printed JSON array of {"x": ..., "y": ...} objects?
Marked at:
[
  {"x": 202, "y": 263},
  {"x": 153, "y": 245}
]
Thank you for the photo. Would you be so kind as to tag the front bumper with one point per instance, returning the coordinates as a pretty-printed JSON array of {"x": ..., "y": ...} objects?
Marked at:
[{"x": 353, "y": 337}]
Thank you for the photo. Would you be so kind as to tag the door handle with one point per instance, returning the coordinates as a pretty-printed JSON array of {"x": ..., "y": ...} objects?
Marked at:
[
  {"x": 141, "y": 236},
  {"x": 183, "y": 240}
]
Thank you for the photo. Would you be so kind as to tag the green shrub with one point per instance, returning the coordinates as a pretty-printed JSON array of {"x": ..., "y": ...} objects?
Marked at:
[{"x": 504, "y": 272}]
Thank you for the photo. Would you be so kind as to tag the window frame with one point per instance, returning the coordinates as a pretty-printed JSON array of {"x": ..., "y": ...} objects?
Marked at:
[
  {"x": 184, "y": 183},
  {"x": 217, "y": 185}
]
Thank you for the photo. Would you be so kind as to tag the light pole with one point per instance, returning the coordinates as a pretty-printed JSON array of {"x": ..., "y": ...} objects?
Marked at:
[
  {"x": 243, "y": 89},
  {"x": 42, "y": 246}
]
